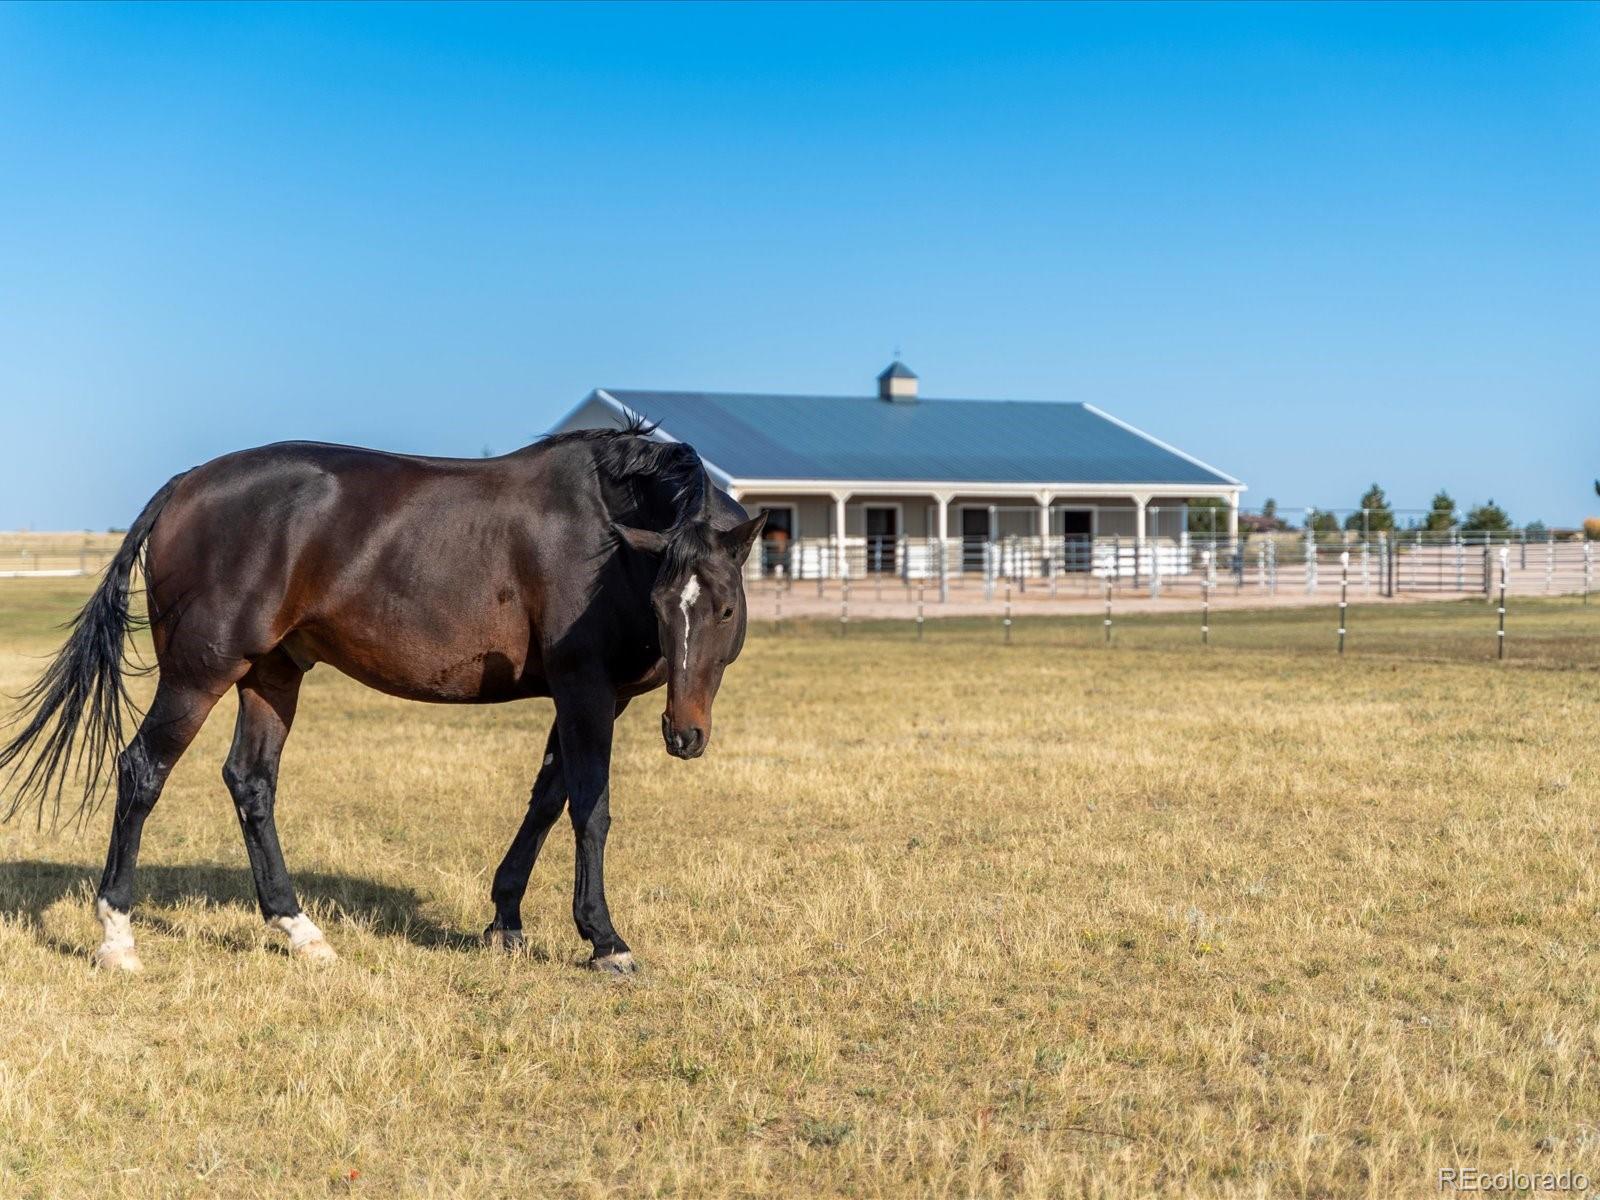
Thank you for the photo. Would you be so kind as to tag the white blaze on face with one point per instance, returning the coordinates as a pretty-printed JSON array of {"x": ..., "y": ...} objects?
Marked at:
[{"x": 691, "y": 593}]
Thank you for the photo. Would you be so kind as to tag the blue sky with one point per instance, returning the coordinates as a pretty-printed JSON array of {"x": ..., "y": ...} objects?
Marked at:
[{"x": 1316, "y": 246}]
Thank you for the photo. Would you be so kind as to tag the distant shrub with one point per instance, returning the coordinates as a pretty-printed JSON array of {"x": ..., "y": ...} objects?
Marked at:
[{"x": 1591, "y": 528}]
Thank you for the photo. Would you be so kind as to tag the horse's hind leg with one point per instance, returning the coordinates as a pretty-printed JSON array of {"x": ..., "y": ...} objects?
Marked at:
[
  {"x": 267, "y": 699},
  {"x": 175, "y": 716}
]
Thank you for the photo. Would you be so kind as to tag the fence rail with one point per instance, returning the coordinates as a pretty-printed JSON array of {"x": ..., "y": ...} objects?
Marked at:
[
  {"x": 46, "y": 555},
  {"x": 1380, "y": 565}
]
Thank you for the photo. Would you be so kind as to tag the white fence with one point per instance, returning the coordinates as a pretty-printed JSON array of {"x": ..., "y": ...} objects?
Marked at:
[{"x": 1381, "y": 564}]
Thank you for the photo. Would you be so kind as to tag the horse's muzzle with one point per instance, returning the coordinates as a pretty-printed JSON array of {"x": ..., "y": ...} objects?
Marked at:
[{"x": 689, "y": 742}]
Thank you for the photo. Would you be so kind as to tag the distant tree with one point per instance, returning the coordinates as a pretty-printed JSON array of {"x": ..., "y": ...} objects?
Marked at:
[
  {"x": 1208, "y": 514},
  {"x": 1537, "y": 531},
  {"x": 1374, "y": 513},
  {"x": 486, "y": 452},
  {"x": 1269, "y": 510},
  {"x": 1441, "y": 514},
  {"x": 1486, "y": 518},
  {"x": 1322, "y": 522}
]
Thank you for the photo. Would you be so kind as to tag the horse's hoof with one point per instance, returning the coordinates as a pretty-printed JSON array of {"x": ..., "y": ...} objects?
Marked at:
[
  {"x": 317, "y": 951},
  {"x": 117, "y": 958},
  {"x": 510, "y": 941},
  {"x": 618, "y": 964}
]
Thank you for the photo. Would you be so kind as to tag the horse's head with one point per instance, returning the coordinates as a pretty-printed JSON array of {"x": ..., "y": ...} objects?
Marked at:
[{"x": 699, "y": 606}]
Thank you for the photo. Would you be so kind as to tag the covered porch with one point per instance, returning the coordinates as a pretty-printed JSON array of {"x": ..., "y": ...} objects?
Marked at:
[{"x": 933, "y": 533}]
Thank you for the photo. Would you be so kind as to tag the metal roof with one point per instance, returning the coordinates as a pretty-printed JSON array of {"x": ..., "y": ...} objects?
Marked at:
[
  {"x": 750, "y": 436},
  {"x": 896, "y": 370}
]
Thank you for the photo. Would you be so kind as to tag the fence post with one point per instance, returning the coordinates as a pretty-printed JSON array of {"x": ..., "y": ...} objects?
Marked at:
[
  {"x": 1108, "y": 610},
  {"x": 1311, "y": 560},
  {"x": 1344, "y": 595},
  {"x": 1549, "y": 562},
  {"x": 1205, "y": 599},
  {"x": 1504, "y": 555},
  {"x": 1588, "y": 567},
  {"x": 944, "y": 571},
  {"x": 919, "y": 612},
  {"x": 844, "y": 607},
  {"x": 777, "y": 602},
  {"x": 1008, "y": 612}
]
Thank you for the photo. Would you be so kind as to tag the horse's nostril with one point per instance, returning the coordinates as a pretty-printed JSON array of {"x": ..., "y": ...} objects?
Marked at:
[{"x": 685, "y": 743}]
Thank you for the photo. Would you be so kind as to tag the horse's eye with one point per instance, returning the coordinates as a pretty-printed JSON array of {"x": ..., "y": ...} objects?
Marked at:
[{"x": 727, "y": 614}]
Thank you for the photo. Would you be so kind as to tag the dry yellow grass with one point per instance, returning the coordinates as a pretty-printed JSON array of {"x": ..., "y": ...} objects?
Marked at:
[{"x": 937, "y": 920}]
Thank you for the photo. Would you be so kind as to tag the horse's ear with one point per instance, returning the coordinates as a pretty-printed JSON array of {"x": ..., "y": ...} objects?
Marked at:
[
  {"x": 646, "y": 541},
  {"x": 738, "y": 540}
]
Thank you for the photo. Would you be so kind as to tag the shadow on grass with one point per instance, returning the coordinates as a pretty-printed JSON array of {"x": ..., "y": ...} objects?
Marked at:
[{"x": 29, "y": 888}]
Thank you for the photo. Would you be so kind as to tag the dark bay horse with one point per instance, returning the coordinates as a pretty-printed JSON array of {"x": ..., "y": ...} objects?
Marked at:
[{"x": 590, "y": 567}]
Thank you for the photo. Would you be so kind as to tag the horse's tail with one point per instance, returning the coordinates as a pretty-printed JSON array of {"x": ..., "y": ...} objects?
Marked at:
[{"x": 81, "y": 689}]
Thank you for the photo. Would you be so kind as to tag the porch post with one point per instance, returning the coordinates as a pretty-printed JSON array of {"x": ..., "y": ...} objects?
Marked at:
[
  {"x": 1233, "y": 517},
  {"x": 840, "y": 567},
  {"x": 942, "y": 501},
  {"x": 1140, "y": 500},
  {"x": 1046, "y": 558}
]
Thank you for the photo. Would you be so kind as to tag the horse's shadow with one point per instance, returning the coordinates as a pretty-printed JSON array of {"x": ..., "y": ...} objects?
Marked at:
[{"x": 29, "y": 889}]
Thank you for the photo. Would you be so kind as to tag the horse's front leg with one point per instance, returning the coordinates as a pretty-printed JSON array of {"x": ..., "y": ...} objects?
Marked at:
[
  {"x": 584, "y": 718},
  {"x": 549, "y": 796}
]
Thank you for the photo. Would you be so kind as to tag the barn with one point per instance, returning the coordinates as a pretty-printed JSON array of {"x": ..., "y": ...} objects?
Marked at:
[{"x": 893, "y": 481}]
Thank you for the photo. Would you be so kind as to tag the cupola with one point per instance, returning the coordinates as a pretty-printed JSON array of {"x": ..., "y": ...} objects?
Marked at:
[{"x": 898, "y": 383}]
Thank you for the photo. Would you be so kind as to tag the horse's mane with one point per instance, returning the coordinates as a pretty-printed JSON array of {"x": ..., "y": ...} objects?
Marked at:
[{"x": 657, "y": 485}]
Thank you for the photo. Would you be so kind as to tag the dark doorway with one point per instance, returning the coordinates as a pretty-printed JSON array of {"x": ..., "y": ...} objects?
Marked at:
[
  {"x": 776, "y": 539},
  {"x": 974, "y": 535},
  {"x": 883, "y": 532},
  {"x": 1077, "y": 539}
]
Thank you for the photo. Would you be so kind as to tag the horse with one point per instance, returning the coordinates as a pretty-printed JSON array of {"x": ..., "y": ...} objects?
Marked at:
[{"x": 590, "y": 567}]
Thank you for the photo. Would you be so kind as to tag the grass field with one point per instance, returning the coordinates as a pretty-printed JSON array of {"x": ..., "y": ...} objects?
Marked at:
[{"x": 936, "y": 919}]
